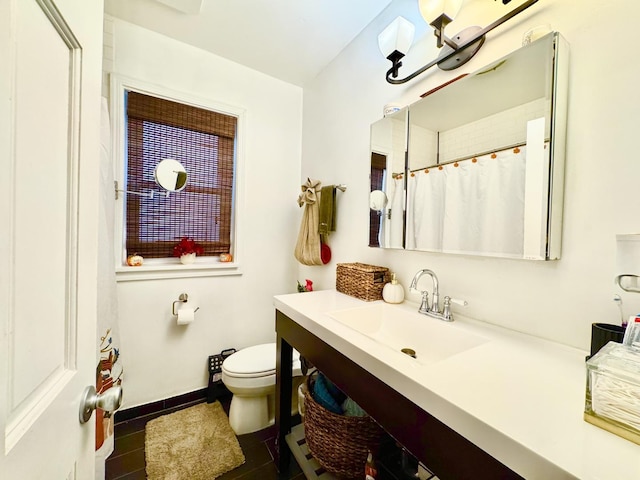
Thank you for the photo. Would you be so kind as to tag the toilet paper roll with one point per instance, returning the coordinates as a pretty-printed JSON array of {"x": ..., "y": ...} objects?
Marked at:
[{"x": 186, "y": 316}]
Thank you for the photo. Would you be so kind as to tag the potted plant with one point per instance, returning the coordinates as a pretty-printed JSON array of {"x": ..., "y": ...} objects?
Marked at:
[
  {"x": 187, "y": 249},
  {"x": 307, "y": 287}
]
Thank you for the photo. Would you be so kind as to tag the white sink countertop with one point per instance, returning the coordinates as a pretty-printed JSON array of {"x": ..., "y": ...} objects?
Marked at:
[{"x": 518, "y": 397}]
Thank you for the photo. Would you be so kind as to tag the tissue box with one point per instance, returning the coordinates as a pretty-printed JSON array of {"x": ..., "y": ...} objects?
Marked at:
[
  {"x": 361, "y": 280},
  {"x": 613, "y": 391}
]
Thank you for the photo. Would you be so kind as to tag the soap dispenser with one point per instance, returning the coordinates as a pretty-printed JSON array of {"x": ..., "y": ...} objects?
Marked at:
[{"x": 393, "y": 292}]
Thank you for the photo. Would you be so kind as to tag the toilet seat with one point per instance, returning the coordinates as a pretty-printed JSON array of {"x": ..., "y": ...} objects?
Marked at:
[{"x": 257, "y": 361}]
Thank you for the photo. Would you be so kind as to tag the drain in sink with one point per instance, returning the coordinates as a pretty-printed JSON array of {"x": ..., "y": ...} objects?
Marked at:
[{"x": 409, "y": 351}]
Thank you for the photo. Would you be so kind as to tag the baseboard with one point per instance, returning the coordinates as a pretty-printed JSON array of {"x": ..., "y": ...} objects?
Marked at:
[{"x": 154, "y": 407}]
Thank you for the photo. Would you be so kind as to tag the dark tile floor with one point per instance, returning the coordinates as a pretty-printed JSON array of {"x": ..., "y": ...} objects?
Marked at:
[{"x": 127, "y": 462}]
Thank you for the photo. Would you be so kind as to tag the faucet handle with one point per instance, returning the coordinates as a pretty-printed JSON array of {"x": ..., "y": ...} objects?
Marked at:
[
  {"x": 446, "y": 307},
  {"x": 462, "y": 303},
  {"x": 424, "y": 304}
]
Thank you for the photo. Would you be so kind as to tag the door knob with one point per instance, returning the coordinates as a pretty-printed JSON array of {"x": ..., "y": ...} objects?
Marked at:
[{"x": 108, "y": 401}]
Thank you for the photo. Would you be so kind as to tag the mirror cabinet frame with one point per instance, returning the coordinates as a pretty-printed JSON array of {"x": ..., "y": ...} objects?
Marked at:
[{"x": 484, "y": 94}]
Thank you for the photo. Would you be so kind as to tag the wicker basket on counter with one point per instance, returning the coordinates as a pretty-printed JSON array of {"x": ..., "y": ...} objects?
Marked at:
[
  {"x": 339, "y": 443},
  {"x": 361, "y": 280}
]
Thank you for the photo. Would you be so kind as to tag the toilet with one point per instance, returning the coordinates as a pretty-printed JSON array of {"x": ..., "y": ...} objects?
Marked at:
[{"x": 250, "y": 375}]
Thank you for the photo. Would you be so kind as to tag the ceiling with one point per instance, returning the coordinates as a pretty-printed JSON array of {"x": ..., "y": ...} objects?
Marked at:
[{"x": 292, "y": 40}]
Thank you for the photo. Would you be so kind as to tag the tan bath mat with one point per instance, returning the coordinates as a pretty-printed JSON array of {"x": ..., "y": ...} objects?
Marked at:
[{"x": 196, "y": 443}]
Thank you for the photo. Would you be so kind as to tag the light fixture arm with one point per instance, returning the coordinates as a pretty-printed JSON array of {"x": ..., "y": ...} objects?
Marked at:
[
  {"x": 468, "y": 42},
  {"x": 400, "y": 81},
  {"x": 395, "y": 58},
  {"x": 438, "y": 30}
]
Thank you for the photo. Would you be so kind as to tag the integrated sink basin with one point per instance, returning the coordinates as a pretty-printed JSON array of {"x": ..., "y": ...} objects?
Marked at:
[{"x": 426, "y": 339}]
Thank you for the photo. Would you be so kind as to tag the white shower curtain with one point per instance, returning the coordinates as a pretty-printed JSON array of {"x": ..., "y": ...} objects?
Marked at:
[
  {"x": 474, "y": 207},
  {"x": 109, "y": 364},
  {"x": 396, "y": 222},
  {"x": 429, "y": 209}
]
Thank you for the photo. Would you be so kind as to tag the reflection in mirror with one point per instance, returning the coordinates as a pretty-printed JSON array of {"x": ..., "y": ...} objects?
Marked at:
[
  {"x": 388, "y": 191},
  {"x": 378, "y": 200},
  {"x": 486, "y": 159},
  {"x": 171, "y": 175}
]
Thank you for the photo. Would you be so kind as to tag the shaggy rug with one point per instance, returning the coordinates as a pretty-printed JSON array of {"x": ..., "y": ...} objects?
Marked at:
[{"x": 196, "y": 443}]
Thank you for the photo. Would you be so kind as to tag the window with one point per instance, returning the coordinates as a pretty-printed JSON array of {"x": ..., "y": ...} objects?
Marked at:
[{"x": 202, "y": 140}]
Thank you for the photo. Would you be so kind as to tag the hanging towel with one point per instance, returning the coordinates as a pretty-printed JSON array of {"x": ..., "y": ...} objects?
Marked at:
[
  {"x": 327, "y": 210},
  {"x": 307, "y": 249}
]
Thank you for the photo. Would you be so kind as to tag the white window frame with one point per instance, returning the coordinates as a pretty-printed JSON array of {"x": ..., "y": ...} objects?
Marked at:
[{"x": 159, "y": 268}]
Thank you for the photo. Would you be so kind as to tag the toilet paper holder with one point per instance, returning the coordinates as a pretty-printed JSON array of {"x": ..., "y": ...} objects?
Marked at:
[{"x": 181, "y": 299}]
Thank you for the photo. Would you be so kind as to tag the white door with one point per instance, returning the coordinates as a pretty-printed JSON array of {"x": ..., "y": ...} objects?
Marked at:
[{"x": 50, "y": 75}]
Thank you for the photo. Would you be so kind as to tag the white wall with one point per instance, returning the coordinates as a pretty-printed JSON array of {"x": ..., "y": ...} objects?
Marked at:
[
  {"x": 505, "y": 128},
  {"x": 557, "y": 300},
  {"x": 160, "y": 358}
]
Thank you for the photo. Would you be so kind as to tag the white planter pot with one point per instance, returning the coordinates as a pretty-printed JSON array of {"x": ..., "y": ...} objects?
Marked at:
[{"x": 187, "y": 258}]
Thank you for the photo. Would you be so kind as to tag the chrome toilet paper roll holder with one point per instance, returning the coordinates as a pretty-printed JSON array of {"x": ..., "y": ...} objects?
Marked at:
[{"x": 183, "y": 298}]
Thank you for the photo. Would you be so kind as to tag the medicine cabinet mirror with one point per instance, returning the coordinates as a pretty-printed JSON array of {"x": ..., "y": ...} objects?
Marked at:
[
  {"x": 485, "y": 162},
  {"x": 388, "y": 192}
]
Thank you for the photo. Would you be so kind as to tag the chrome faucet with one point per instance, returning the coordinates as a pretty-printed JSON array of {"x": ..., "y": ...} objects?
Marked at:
[
  {"x": 424, "y": 306},
  {"x": 434, "y": 311}
]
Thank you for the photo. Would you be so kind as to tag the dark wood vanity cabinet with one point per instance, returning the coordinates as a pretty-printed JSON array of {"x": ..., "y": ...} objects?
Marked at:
[{"x": 445, "y": 452}]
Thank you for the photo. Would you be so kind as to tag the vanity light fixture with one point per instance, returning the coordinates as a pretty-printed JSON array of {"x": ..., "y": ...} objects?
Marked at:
[{"x": 395, "y": 40}]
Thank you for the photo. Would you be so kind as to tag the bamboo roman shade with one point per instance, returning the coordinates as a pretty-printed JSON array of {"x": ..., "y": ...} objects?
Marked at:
[{"x": 204, "y": 142}]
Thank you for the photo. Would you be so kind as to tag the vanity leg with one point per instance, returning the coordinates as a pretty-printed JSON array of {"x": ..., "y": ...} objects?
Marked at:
[{"x": 284, "y": 353}]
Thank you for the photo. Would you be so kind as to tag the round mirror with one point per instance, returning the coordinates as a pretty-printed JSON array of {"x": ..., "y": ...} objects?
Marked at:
[{"x": 171, "y": 175}]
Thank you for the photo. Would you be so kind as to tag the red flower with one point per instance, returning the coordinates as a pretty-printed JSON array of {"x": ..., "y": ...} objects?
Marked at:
[
  {"x": 308, "y": 287},
  {"x": 187, "y": 245}
]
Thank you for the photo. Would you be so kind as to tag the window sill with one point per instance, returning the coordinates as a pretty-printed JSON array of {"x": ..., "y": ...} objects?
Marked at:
[{"x": 165, "y": 271}]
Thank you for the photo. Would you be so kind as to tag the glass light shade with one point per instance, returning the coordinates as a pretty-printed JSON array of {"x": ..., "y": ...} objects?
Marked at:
[
  {"x": 432, "y": 9},
  {"x": 397, "y": 36}
]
